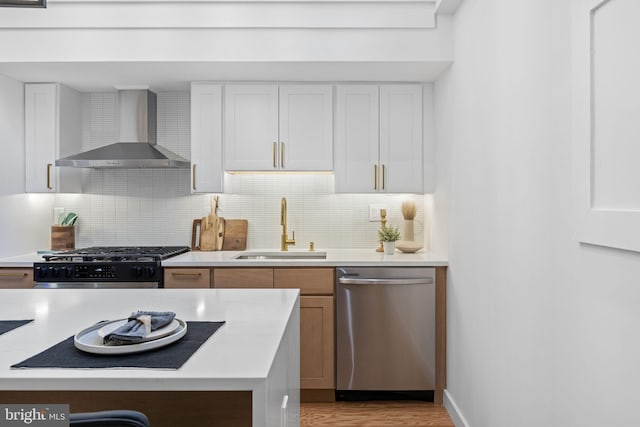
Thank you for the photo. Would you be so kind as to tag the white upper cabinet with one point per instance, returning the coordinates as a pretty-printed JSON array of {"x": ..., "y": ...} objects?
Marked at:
[
  {"x": 251, "y": 127},
  {"x": 306, "y": 127},
  {"x": 401, "y": 138},
  {"x": 207, "y": 175},
  {"x": 379, "y": 138},
  {"x": 271, "y": 128},
  {"x": 53, "y": 129},
  {"x": 357, "y": 139}
]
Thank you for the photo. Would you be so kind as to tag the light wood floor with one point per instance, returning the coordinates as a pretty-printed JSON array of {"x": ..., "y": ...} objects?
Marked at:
[{"x": 374, "y": 414}]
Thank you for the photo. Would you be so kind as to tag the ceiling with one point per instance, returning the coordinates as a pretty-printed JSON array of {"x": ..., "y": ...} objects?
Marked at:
[{"x": 159, "y": 76}]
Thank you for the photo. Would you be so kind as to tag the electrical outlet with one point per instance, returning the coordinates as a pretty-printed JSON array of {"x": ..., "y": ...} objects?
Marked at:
[{"x": 374, "y": 212}]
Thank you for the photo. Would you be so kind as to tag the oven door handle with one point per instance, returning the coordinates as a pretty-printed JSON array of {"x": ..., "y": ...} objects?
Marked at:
[{"x": 95, "y": 285}]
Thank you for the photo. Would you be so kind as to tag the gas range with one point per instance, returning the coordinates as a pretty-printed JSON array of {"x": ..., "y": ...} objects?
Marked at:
[{"x": 105, "y": 267}]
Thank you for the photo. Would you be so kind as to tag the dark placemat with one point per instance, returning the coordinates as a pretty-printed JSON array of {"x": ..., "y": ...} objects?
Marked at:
[
  {"x": 173, "y": 356},
  {"x": 8, "y": 325}
]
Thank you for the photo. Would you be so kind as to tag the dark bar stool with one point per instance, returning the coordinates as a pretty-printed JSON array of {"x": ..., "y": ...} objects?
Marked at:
[{"x": 115, "y": 418}]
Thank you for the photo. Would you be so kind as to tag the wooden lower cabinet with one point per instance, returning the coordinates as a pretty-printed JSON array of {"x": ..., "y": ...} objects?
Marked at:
[
  {"x": 16, "y": 278},
  {"x": 187, "y": 278},
  {"x": 242, "y": 278},
  {"x": 310, "y": 281},
  {"x": 316, "y": 342},
  {"x": 317, "y": 330}
]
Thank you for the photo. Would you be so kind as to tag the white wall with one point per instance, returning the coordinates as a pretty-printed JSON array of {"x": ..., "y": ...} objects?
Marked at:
[
  {"x": 543, "y": 331},
  {"x": 24, "y": 219}
]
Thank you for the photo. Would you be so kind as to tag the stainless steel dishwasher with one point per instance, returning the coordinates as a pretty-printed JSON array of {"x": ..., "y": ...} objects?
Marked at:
[{"x": 385, "y": 329}]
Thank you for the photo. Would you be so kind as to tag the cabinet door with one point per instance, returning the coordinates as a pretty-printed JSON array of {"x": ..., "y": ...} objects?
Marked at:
[
  {"x": 243, "y": 278},
  {"x": 16, "y": 278},
  {"x": 41, "y": 130},
  {"x": 187, "y": 278},
  {"x": 306, "y": 128},
  {"x": 401, "y": 138},
  {"x": 206, "y": 138},
  {"x": 251, "y": 127},
  {"x": 316, "y": 322},
  {"x": 316, "y": 342},
  {"x": 357, "y": 139},
  {"x": 310, "y": 281},
  {"x": 53, "y": 129}
]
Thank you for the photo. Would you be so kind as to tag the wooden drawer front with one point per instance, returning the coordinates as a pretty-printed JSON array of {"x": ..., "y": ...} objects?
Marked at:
[
  {"x": 316, "y": 343},
  {"x": 16, "y": 278},
  {"x": 310, "y": 281},
  {"x": 187, "y": 278},
  {"x": 243, "y": 278}
]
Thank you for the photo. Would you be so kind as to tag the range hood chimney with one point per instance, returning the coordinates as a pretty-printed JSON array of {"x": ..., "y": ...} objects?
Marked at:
[{"x": 136, "y": 146}]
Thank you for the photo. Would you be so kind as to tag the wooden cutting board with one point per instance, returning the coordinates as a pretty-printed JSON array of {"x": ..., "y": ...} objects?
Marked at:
[{"x": 235, "y": 235}]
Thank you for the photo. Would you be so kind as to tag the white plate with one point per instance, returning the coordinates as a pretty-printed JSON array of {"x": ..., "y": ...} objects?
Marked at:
[
  {"x": 158, "y": 333},
  {"x": 90, "y": 341}
]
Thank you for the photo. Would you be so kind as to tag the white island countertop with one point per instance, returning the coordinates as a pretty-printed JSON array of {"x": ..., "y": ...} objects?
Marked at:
[
  {"x": 335, "y": 258},
  {"x": 238, "y": 356}
]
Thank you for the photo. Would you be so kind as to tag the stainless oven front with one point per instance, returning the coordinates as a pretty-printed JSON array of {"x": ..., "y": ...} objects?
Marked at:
[{"x": 97, "y": 275}]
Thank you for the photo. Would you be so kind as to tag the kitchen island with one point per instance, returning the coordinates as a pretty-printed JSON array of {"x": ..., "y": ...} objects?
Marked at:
[{"x": 246, "y": 373}]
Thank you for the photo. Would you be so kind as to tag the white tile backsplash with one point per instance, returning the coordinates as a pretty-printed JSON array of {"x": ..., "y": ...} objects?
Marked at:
[{"x": 155, "y": 207}]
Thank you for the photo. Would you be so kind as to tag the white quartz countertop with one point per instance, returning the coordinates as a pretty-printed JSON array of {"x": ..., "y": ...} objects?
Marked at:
[
  {"x": 335, "y": 257},
  {"x": 25, "y": 260},
  {"x": 237, "y": 357}
]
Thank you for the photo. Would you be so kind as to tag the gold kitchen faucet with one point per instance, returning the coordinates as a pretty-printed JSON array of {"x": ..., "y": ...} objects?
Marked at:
[{"x": 284, "y": 239}]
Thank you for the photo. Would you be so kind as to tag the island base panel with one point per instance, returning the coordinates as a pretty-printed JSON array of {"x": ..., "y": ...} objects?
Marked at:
[{"x": 163, "y": 408}]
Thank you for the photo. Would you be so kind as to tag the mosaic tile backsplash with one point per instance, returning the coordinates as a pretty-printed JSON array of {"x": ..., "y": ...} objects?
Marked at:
[{"x": 155, "y": 207}]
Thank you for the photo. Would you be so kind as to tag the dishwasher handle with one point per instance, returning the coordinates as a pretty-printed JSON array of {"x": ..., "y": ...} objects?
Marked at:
[{"x": 371, "y": 281}]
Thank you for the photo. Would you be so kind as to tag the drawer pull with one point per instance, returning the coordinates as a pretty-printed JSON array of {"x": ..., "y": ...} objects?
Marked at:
[{"x": 194, "y": 178}]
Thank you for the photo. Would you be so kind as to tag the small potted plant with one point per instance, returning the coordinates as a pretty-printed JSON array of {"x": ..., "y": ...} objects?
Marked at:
[{"x": 388, "y": 235}]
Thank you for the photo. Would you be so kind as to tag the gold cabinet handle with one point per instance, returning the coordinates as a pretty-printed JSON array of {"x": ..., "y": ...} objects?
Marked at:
[
  {"x": 186, "y": 275},
  {"x": 275, "y": 154},
  {"x": 49, "y": 187},
  {"x": 193, "y": 177},
  {"x": 383, "y": 169},
  {"x": 375, "y": 177},
  {"x": 282, "y": 154}
]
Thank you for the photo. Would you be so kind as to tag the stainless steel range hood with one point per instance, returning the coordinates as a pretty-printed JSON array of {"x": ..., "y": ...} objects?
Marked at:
[{"x": 137, "y": 142}]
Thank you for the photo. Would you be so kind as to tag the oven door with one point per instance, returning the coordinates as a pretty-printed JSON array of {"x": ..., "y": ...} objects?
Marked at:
[{"x": 96, "y": 285}]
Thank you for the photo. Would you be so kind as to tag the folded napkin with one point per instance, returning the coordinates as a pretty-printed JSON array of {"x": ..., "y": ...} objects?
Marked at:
[{"x": 138, "y": 326}]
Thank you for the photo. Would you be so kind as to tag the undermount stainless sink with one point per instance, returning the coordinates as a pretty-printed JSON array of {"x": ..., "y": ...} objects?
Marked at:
[{"x": 282, "y": 255}]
